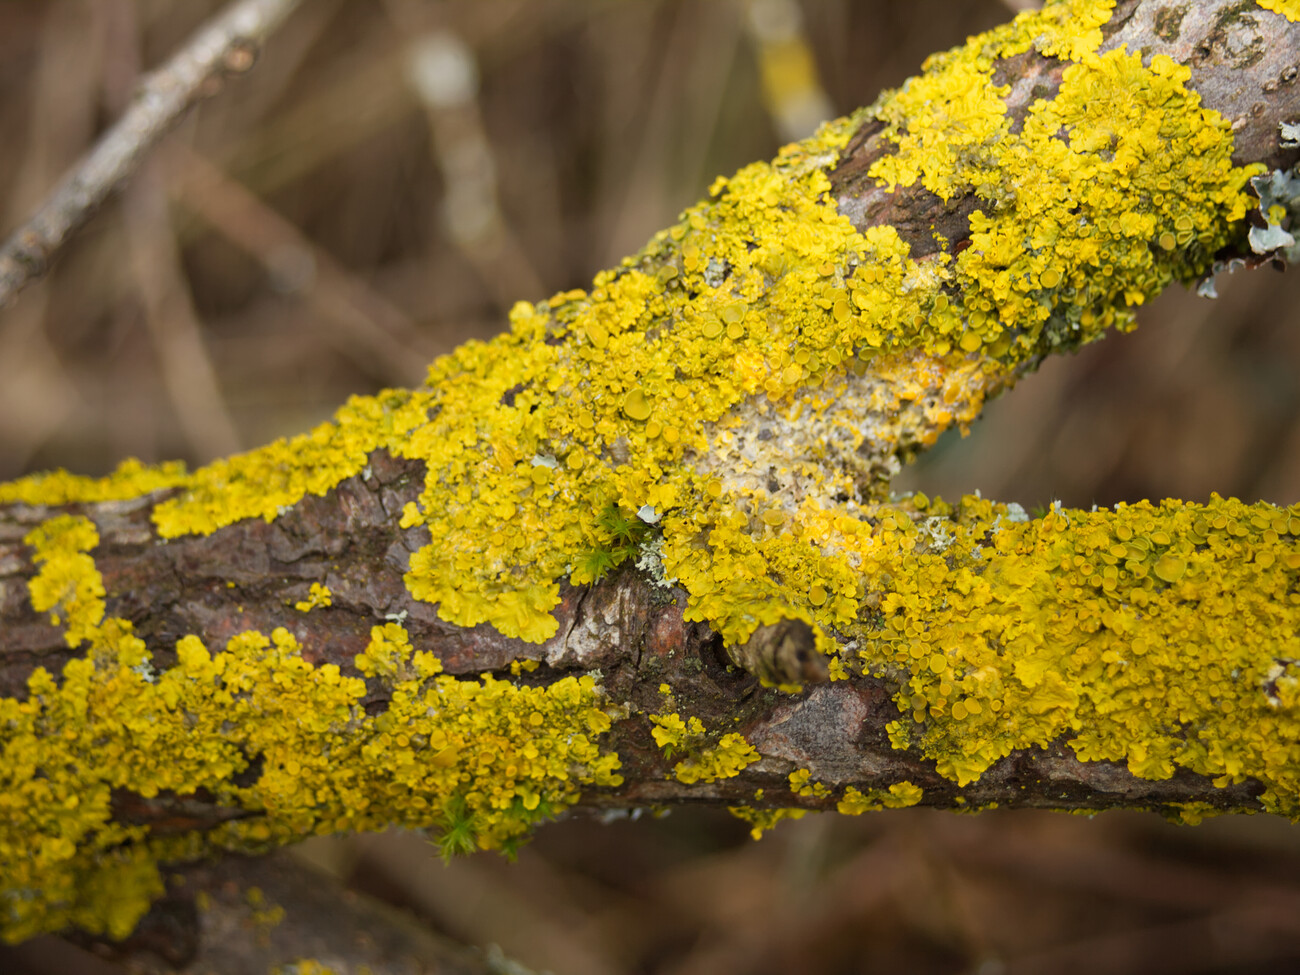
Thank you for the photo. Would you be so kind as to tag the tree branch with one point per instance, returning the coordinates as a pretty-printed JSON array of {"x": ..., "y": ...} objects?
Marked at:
[
  {"x": 227, "y": 45},
  {"x": 564, "y": 573}
]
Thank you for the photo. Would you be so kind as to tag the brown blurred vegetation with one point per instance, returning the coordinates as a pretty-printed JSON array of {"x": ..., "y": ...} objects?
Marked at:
[{"x": 319, "y": 229}]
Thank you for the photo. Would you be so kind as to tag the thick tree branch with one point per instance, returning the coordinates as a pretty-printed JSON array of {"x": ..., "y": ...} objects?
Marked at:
[
  {"x": 646, "y": 497},
  {"x": 225, "y": 46}
]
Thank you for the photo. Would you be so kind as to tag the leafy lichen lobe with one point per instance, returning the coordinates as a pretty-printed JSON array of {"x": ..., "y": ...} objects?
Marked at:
[
  {"x": 1290, "y": 9},
  {"x": 1156, "y": 636}
]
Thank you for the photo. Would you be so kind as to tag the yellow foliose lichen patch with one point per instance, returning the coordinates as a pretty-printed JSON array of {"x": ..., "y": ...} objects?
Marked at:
[
  {"x": 801, "y": 784},
  {"x": 479, "y": 760},
  {"x": 610, "y": 407},
  {"x": 675, "y": 735},
  {"x": 731, "y": 755},
  {"x": 318, "y": 595},
  {"x": 263, "y": 482},
  {"x": 1290, "y": 9},
  {"x": 765, "y": 302},
  {"x": 762, "y": 820},
  {"x": 1009, "y": 633},
  {"x": 765, "y": 295},
  {"x": 900, "y": 795},
  {"x": 131, "y": 479},
  {"x": 1115, "y": 187},
  {"x": 67, "y": 585}
]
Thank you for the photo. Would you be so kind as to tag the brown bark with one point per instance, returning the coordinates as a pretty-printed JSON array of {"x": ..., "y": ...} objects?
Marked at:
[{"x": 624, "y": 627}]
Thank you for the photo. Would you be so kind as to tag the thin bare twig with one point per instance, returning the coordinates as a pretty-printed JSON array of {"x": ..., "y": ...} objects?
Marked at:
[{"x": 226, "y": 45}]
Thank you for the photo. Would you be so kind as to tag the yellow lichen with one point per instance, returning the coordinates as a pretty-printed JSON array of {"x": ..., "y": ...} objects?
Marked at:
[
  {"x": 1191, "y": 813},
  {"x": 318, "y": 595},
  {"x": 131, "y": 480},
  {"x": 584, "y": 435},
  {"x": 1073, "y": 206},
  {"x": 675, "y": 735},
  {"x": 765, "y": 298},
  {"x": 762, "y": 820},
  {"x": 1290, "y": 9},
  {"x": 1157, "y": 636},
  {"x": 731, "y": 755},
  {"x": 801, "y": 785},
  {"x": 481, "y": 760},
  {"x": 900, "y": 795},
  {"x": 672, "y": 734},
  {"x": 67, "y": 585}
]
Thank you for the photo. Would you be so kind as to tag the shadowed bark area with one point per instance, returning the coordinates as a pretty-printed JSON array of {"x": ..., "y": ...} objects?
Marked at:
[{"x": 243, "y": 916}]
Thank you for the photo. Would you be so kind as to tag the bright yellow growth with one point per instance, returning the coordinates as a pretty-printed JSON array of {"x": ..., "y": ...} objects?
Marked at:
[
  {"x": 801, "y": 785},
  {"x": 672, "y": 734},
  {"x": 730, "y": 756},
  {"x": 762, "y": 820},
  {"x": 131, "y": 480},
  {"x": 765, "y": 300},
  {"x": 481, "y": 760},
  {"x": 1158, "y": 636},
  {"x": 1077, "y": 223},
  {"x": 1290, "y": 9},
  {"x": 67, "y": 585},
  {"x": 900, "y": 795},
  {"x": 702, "y": 764},
  {"x": 319, "y": 595}
]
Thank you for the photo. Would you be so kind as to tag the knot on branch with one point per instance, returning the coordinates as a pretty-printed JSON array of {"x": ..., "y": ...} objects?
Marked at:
[{"x": 784, "y": 652}]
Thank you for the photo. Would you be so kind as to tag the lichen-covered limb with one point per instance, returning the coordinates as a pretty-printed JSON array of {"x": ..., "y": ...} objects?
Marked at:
[
  {"x": 1084, "y": 660},
  {"x": 226, "y": 45},
  {"x": 522, "y": 588}
]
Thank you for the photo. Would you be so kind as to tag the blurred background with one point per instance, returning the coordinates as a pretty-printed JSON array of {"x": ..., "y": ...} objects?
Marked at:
[{"x": 383, "y": 185}]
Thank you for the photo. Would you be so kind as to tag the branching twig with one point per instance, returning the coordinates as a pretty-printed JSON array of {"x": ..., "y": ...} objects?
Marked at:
[{"x": 226, "y": 45}]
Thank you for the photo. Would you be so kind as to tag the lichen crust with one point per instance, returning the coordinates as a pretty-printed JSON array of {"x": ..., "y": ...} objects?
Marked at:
[
  {"x": 1290, "y": 9},
  {"x": 764, "y": 307},
  {"x": 725, "y": 759},
  {"x": 286, "y": 749},
  {"x": 1157, "y": 636},
  {"x": 733, "y": 399}
]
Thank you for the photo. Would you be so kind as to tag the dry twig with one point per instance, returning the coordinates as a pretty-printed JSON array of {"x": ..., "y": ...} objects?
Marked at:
[{"x": 226, "y": 45}]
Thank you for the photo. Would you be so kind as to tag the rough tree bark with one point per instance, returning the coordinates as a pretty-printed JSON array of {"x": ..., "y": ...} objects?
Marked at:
[{"x": 655, "y": 518}]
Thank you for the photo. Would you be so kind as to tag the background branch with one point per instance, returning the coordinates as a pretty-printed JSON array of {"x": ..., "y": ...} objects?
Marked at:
[{"x": 227, "y": 45}]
